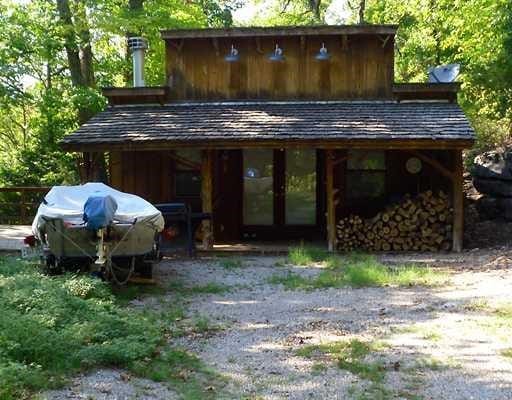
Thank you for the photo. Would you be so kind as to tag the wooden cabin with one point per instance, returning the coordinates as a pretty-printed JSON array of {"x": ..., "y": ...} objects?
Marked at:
[{"x": 282, "y": 144}]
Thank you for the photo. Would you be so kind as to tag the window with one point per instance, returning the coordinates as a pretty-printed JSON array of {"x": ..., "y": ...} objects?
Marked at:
[
  {"x": 366, "y": 174},
  {"x": 188, "y": 183},
  {"x": 300, "y": 196},
  {"x": 258, "y": 187},
  {"x": 187, "y": 176}
]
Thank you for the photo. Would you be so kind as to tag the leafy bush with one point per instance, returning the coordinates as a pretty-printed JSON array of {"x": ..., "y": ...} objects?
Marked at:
[{"x": 53, "y": 326}]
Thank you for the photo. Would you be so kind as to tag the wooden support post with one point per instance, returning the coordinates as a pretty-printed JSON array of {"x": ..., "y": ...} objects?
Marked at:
[
  {"x": 331, "y": 204},
  {"x": 458, "y": 202},
  {"x": 207, "y": 195}
]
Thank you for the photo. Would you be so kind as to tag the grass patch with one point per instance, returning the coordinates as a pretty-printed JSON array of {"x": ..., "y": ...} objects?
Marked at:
[
  {"x": 318, "y": 368},
  {"x": 432, "y": 335},
  {"x": 127, "y": 293},
  {"x": 351, "y": 356},
  {"x": 52, "y": 327},
  {"x": 477, "y": 305},
  {"x": 430, "y": 363},
  {"x": 184, "y": 371},
  {"x": 504, "y": 311},
  {"x": 507, "y": 353},
  {"x": 360, "y": 270},
  {"x": 498, "y": 320},
  {"x": 209, "y": 288},
  {"x": 305, "y": 255},
  {"x": 231, "y": 263},
  {"x": 426, "y": 332}
]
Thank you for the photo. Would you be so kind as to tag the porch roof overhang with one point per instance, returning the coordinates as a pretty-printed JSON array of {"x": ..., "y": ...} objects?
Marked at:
[{"x": 323, "y": 124}]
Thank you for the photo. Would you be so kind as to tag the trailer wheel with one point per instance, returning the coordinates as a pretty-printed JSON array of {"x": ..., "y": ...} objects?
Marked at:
[
  {"x": 51, "y": 265},
  {"x": 144, "y": 267}
]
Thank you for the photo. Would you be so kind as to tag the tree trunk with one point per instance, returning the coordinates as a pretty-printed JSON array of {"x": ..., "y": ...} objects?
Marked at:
[
  {"x": 72, "y": 51},
  {"x": 362, "y": 7},
  {"x": 314, "y": 6},
  {"x": 84, "y": 34}
]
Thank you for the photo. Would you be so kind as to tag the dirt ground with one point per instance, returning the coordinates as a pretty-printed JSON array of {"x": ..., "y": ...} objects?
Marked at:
[{"x": 433, "y": 343}]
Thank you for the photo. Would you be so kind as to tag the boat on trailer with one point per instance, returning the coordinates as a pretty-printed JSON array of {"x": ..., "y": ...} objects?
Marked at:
[{"x": 96, "y": 227}]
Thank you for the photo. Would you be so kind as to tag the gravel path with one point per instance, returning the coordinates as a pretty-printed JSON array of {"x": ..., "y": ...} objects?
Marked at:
[{"x": 438, "y": 343}]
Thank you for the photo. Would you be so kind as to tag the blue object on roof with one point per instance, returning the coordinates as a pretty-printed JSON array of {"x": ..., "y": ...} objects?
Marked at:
[{"x": 99, "y": 211}]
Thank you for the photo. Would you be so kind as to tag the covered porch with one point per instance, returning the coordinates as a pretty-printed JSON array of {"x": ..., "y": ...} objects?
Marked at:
[{"x": 277, "y": 171}]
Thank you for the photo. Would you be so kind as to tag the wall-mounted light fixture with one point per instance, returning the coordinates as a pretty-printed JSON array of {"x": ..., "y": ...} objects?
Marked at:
[
  {"x": 323, "y": 54},
  {"x": 233, "y": 55},
  {"x": 277, "y": 54}
]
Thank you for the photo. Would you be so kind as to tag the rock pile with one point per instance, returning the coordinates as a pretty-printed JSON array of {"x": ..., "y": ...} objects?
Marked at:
[{"x": 492, "y": 177}]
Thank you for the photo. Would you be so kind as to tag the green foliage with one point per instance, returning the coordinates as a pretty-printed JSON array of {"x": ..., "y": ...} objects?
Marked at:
[
  {"x": 507, "y": 353},
  {"x": 304, "y": 255},
  {"x": 351, "y": 356},
  {"x": 52, "y": 327},
  {"x": 177, "y": 287},
  {"x": 38, "y": 102},
  {"x": 184, "y": 371},
  {"x": 478, "y": 35},
  {"x": 231, "y": 263},
  {"x": 359, "y": 270}
]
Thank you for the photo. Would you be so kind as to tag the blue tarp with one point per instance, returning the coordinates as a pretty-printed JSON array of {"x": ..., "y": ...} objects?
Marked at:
[{"x": 99, "y": 211}]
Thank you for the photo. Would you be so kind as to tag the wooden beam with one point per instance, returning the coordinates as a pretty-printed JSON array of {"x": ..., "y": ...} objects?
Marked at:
[
  {"x": 347, "y": 143},
  {"x": 207, "y": 195},
  {"x": 458, "y": 202},
  {"x": 331, "y": 203}
]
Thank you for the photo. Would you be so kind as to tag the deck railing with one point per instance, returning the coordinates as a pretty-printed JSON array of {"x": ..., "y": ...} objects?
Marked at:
[{"x": 18, "y": 205}]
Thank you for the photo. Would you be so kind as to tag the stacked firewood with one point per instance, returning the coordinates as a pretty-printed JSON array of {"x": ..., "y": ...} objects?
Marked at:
[{"x": 422, "y": 223}]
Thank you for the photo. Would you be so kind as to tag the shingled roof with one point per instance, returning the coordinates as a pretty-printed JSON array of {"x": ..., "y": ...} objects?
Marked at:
[{"x": 237, "y": 124}]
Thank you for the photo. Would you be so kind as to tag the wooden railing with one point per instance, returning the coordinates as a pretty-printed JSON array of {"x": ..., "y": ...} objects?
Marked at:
[{"x": 18, "y": 205}]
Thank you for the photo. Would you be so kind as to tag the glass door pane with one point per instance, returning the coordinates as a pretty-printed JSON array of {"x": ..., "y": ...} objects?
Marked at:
[
  {"x": 258, "y": 187},
  {"x": 300, "y": 195}
]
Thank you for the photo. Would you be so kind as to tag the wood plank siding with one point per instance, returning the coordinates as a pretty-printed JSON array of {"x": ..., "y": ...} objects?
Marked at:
[
  {"x": 360, "y": 67},
  {"x": 151, "y": 174}
]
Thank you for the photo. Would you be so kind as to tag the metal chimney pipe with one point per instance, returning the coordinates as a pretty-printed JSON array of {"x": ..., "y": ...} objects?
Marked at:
[{"x": 138, "y": 45}]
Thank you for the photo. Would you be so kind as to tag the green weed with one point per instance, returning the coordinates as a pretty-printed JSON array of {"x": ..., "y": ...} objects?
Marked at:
[
  {"x": 350, "y": 356},
  {"x": 209, "y": 288},
  {"x": 430, "y": 363},
  {"x": 360, "y": 270},
  {"x": 477, "y": 305},
  {"x": 184, "y": 371},
  {"x": 127, "y": 293},
  {"x": 318, "y": 368},
  {"x": 54, "y": 326},
  {"x": 231, "y": 263},
  {"x": 304, "y": 255},
  {"x": 507, "y": 353}
]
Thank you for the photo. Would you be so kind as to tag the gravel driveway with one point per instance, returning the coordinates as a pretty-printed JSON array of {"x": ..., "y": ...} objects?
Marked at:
[{"x": 434, "y": 343}]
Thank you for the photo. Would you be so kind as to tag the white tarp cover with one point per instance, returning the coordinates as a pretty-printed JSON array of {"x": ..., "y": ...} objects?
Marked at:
[{"x": 67, "y": 203}]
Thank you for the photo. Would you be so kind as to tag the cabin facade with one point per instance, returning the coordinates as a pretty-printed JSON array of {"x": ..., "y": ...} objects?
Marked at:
[{"x": 281, "y": 144}]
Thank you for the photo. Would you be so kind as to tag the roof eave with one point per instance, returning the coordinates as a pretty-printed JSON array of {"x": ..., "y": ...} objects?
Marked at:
[
  {"x": 344, "y": 143},
  {"x": 279, "y": 31}
]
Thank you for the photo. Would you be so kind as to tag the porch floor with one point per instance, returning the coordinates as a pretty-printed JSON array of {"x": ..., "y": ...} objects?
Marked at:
[{"x": 257, "y": 247}]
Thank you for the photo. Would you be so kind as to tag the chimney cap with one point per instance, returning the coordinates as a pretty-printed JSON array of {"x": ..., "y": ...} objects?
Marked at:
[{"x": 137, "y": 42}]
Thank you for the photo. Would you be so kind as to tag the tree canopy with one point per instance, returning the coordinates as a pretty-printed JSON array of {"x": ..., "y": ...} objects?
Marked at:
[{"x": 56, "y": 54}]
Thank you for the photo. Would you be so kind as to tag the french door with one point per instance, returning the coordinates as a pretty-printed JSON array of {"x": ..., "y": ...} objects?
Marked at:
[{"x": 279, "y": 191}]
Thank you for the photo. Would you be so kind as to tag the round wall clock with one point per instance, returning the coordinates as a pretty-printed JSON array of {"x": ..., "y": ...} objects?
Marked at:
[{"x": 413, "y": 165}]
